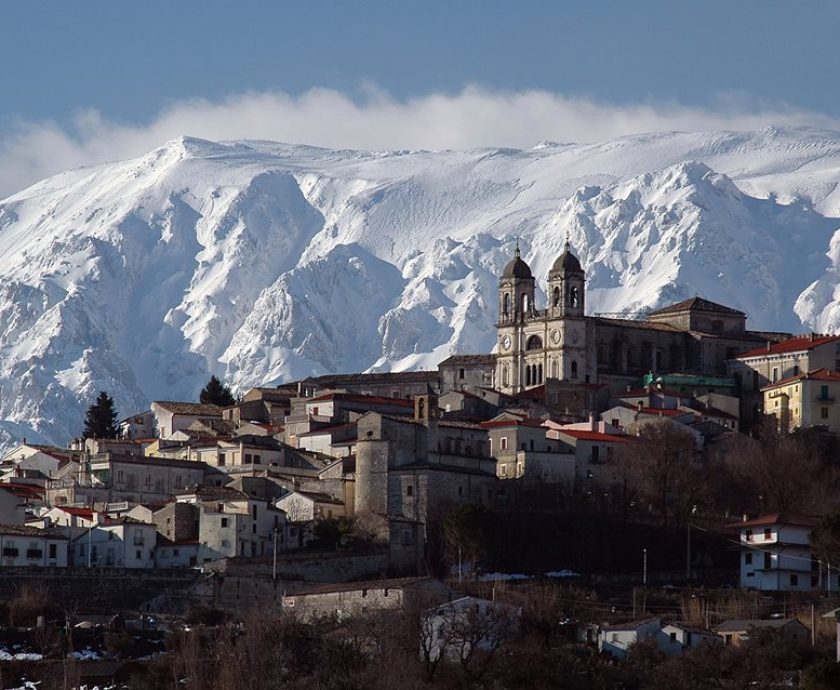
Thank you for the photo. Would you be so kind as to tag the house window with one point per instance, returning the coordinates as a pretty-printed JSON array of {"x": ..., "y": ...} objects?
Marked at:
[
  {"x": 315, "y": 411},
  {"x": 460, "y": 490},
  {"x": 768, "y": 561},
  {"x": 461, "y": 373},
  {"x": 53, "y": 551},
  {"x": 748, "y": 535},
  {"x": 10, "y": 551},
  {"x": 794, "y": 580},
  {"x": 823, "y": 413},
  {"x": 673, "y": 637},
  {"x": 747, "y": 559},
  {"x": 247, "y": 458},
  {"x": 775, "y": 374},
  {"x": 224, "y": 522},
  {"x": 614, "y": 638},
  {"x": 574, "y": 370},
  {"x": 138, "y": 554},
  {"x": 796, "y": 370},
  {"x": 503, "y": 470},
  {"x": 257, "y": 459},
  {"x": 221, "y": 459},
  {"x": 596, "y": 454},
  {"x": 504, "y": 443},
  {"x": 768, "y": 533},
  {"x": 409, "y": 491}
]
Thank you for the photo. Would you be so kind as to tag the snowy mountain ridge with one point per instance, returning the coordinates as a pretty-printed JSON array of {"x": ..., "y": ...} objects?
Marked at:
[{"x": 264, "y": 262}]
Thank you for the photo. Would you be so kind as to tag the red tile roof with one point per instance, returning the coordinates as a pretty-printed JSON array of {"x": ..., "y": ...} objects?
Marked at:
[
  {"x": 777, "y": 519},
  {"x": 816, "y": 375},
  {"x": 493, "y": 424},
  {"x": 85, "y": 513},
  {"x": 583, "y": 435},
  {"x": 659, "y": 412},
  {"x": 371, "y": 399},
  {"x": 797, "y": 344}
]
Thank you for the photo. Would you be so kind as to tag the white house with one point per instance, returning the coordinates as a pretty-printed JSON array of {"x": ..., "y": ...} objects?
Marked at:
[
  {"x": 616, "y": 640},
  {"x": 306, "y": 506},
  {"x": 593, "y": 444},
  {"x": 182, "y": 554},
  {"x": 676, "y": 638},
  {"x": 31, "y": 546},
  {"x": 116, "y": 543},
  {"x": 452, "y": 630},
  {"x": 231, "y": 523},
  {"x": 776, "y": 555}
]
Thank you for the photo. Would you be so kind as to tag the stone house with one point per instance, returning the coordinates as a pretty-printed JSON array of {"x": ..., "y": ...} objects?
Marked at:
[
  {"x": 467, "y": 373},
  {"x": 137, "y": 479},
  {"x": 171, "y": 417},
  {"x": 414, "y": 467},
  {"x": 349, "y": 599},
  {"x": 392, "y": 384},
  {"x": 734, "y": 632}
]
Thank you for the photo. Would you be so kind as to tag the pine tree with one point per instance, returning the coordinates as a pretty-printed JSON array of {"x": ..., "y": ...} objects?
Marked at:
[
  {"x": 216, "y": 393},
  {"x": 101, "y": 419}
]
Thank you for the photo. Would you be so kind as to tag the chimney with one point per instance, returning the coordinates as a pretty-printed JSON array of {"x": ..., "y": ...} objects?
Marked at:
[
  {"x": 593, "y": 425},
  {"x": 811, "y": 336},
  {"x": 639, "y": 406}
]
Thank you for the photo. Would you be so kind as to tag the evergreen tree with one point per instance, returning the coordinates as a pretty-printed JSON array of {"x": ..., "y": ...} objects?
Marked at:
[
  {"x": 216, "y": 393},
  {"x": 101, "y": 419}
]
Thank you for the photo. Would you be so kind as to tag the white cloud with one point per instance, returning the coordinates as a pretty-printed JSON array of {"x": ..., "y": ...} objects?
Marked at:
[{"x": 471, "y": 118}]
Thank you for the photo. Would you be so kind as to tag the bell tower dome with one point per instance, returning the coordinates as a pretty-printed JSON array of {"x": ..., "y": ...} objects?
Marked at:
[
  {"x": 566, "y": 289},
  {"x": 516, "y": 291}
]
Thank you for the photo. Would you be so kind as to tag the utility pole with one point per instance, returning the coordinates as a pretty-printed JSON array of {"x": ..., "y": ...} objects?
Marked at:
[
  {"x": 687, "y": 551},
  {"x": 644, "y": 581},
  {"x": 274, "y": 559},
  {"x": 813, "y": 627}
]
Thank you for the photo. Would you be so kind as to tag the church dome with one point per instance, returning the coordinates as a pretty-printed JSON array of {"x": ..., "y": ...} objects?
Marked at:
[
  {"x": 517, "y": 268},
  {"x": 566, "y": 262}
]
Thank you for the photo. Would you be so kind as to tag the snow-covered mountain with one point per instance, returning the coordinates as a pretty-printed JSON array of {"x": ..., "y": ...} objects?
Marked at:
[{"x": 263, "y": 262}]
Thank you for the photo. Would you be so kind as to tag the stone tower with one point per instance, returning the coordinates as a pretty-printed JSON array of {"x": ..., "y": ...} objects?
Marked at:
[{"x": 516, "y": 306}]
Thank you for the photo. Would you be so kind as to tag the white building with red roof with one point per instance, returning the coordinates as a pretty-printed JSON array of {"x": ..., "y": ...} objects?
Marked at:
[
  {"x": 776, "y": 555},
  {"x": 593, "y": 443}
]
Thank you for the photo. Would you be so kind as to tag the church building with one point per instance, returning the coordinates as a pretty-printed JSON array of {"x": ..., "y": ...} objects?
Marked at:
[{"x": 560, "y": 341}]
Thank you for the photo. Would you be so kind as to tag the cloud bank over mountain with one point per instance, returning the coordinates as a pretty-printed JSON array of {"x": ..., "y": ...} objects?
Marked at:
[{"x": 473, "y": 117}]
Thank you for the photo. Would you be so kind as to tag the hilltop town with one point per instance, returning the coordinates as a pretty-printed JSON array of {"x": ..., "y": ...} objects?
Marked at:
[{"x": 625, "y": 483}]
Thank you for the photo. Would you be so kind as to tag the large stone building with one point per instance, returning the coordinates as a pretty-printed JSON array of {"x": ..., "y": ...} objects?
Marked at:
[{"x": 695, "y": 336}]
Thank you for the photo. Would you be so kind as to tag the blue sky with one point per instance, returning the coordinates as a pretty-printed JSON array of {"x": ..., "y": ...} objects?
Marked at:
[{"x": 81, "y": 71}]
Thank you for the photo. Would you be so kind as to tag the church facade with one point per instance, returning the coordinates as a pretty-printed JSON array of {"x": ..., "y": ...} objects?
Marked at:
[{"x": 561, "y": 342}]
